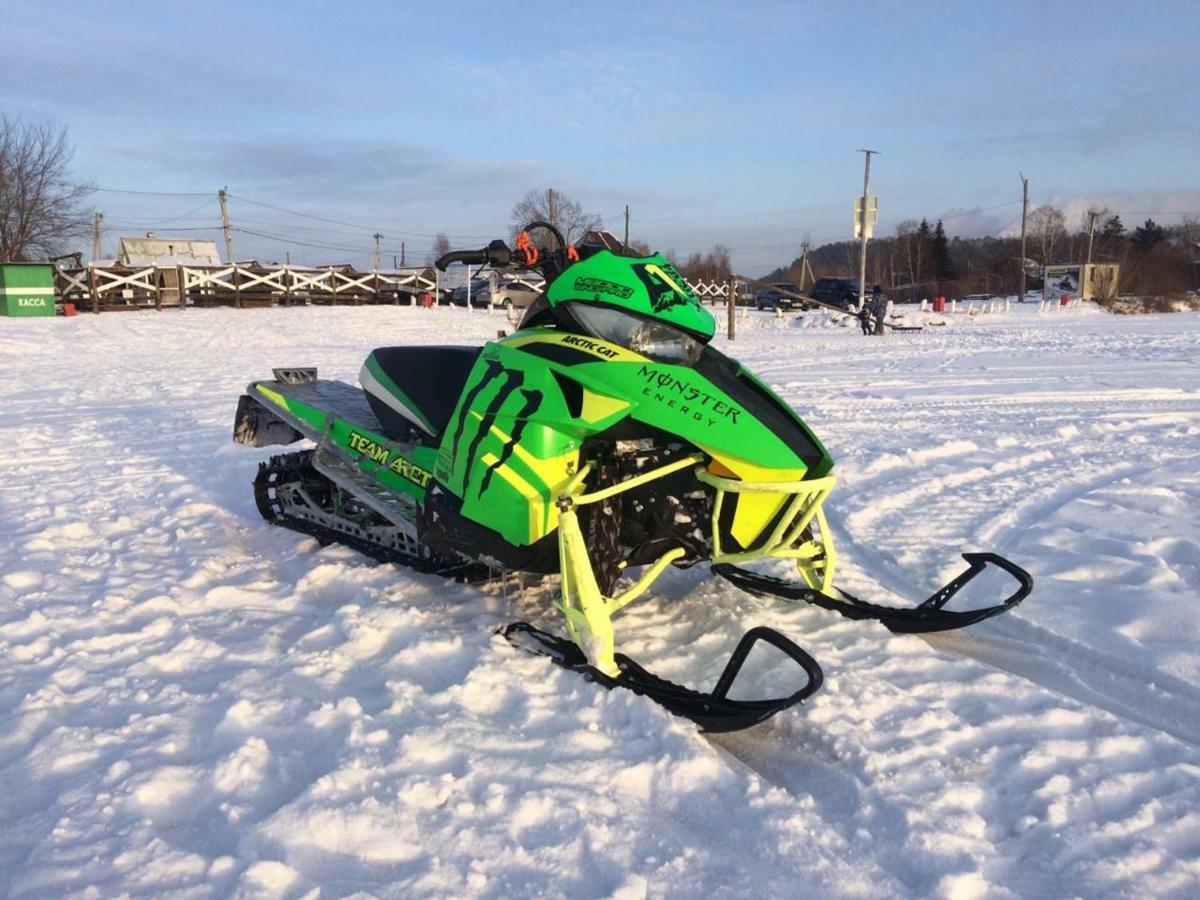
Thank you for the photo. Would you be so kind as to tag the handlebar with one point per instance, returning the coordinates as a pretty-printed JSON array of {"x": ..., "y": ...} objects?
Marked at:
[
  {"x": 496, "y": 253},
  {"x": 472, "y": 257}
]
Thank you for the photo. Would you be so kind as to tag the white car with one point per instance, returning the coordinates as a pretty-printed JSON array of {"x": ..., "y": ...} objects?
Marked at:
[{"x": 513, "y": 295}]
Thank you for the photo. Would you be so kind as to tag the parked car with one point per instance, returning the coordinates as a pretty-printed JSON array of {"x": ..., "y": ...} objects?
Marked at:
[
  {"x": 838, "y": 291},
  {"x": 513, "y": 295},
  {"x": 769, "y": 298},
  {"x": 479, "y": 295}
]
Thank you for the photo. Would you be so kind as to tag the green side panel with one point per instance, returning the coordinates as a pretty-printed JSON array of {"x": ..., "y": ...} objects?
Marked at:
[
  {"x": 502, "y": 465},
  {"x": 648, "y": 286},
  {"x": 26, "y": 289},
  {"x": 405, "y": 469}
]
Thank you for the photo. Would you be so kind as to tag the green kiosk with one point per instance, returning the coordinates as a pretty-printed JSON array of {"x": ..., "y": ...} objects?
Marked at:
[{"x": 26, "y": 289}]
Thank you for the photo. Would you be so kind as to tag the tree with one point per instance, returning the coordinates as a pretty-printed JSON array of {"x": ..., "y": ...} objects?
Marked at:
[
  {"x": 441, "y": 246},
  {"x": 1147, "y": 236},
  {"x": 1047, "y": 227},
  {"x": 943, "y": 265},
  {"x": 39, "y": 202},
  {"x": 711, "y": 266},
  {"x": 1113, "y": 229},
  {"x": 912, "y": 246},
  {"x": 556, "y": 208}
]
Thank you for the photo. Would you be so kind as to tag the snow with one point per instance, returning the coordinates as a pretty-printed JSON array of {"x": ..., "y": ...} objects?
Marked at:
[{"x": 195, "y": 703}]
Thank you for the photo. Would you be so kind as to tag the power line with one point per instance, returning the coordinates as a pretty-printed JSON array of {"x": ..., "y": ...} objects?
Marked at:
[
  {"x": 369, "y": 228},
  {"x": 152, "y": 193}
]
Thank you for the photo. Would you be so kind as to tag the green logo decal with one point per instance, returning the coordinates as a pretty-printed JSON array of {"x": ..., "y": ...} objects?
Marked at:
[
  {"x": 376, "y": 452},
  {"x": 602, "y": 286}
]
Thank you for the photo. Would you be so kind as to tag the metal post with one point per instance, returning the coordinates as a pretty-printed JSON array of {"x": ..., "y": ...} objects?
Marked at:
[
  {"x": 862, "y": 224},
  {"x": 96, "y": 250},
  {"x": 225, "y": 226},
  {"x": 1024, "y": 213},
  {"x": 1091, "y": 233},
  {"x": 92, "y": 288},
  {"x": 731, "y": 305}
]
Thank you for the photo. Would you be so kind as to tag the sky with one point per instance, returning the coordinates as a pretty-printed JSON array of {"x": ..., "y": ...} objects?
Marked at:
[{"x": 735, "y": 123}]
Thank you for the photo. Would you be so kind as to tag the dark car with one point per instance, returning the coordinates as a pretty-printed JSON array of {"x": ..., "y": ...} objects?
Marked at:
[
  {"x": 480, "y": 295},
  {"x": 841, "y": 292},
  {"x": 769, "y": 298}
]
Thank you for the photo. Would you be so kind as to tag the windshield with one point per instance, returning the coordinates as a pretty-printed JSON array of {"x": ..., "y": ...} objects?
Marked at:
[{"x": 648, "y": 337}]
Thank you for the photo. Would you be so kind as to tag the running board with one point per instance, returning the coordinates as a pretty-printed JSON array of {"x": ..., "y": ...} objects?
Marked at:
[
  {"x": 929, "y": 616},
  {"x": 714, "y": 712},
  {"x": 396, "y": 508}
]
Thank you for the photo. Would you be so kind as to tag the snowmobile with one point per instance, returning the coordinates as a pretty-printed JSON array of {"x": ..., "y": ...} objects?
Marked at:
[{"x": 604, "y": 436}]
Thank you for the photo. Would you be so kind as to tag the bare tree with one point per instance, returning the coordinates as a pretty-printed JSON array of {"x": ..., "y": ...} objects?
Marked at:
[
  {"x": 1047, "y": 227},
  {"x": 566, "y": 215},
  {"x": 711, "y": 266},
  {"x": 441, "y": 246},
  {"x": 39, "y": 202}
]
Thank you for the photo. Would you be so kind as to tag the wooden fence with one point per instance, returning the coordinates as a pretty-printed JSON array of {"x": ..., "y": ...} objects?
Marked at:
[
  {"x": 247, "y": 286},
  {"x": 242, "y": 286}
]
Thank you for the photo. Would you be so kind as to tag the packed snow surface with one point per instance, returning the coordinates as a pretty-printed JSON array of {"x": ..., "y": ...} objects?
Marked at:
[{"x": 193, "y": 702}]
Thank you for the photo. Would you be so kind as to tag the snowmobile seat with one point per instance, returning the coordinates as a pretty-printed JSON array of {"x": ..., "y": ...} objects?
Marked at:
[{"x": 415, "y": 389}]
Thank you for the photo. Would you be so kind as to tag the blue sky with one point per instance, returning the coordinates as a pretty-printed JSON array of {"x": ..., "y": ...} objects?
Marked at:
[{"x": 715, "y": 122}]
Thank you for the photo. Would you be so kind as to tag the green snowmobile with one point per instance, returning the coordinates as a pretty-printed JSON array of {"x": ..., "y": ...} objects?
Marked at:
[{"x": 605, "y": 435}]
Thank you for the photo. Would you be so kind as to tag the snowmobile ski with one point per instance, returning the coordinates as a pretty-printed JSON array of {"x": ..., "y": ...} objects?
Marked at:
[
  {"x": 927, "y": 617},
  {"x": 714, "y": 712}
]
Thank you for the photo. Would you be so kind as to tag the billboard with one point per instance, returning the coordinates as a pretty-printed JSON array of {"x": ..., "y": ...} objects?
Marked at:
[{"x": 1077, "y": 281}]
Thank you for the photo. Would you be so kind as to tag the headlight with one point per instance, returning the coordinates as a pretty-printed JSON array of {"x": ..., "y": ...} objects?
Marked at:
[{"x": 646, "y": 336}]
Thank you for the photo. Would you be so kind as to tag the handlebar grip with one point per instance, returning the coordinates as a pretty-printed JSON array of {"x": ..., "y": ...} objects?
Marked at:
[{"x": 472, "y": 257}]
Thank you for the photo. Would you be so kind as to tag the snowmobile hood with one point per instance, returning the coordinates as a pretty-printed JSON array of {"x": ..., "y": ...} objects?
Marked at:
[{"x": 647, "y": 286}]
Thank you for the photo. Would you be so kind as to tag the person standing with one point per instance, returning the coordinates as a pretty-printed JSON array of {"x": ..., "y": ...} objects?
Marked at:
[
  {"x": 878, "y": 308},
  {"x": 864, "y": 317}
]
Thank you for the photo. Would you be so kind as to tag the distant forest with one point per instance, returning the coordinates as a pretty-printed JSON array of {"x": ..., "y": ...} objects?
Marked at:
[{"x": 920, "y": 260}]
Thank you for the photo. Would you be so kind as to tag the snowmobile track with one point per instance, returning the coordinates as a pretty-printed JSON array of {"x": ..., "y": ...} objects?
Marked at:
[{"x": 1017, "y": 646}]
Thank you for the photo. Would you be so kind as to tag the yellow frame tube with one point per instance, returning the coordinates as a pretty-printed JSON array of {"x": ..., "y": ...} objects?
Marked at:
[{"x": 588, "y": 612}]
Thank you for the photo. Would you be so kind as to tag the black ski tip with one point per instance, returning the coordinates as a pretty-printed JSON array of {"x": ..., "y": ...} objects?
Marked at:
[
  {"x": 927, "y": 617},
  {"x": 714, "y": 712}
]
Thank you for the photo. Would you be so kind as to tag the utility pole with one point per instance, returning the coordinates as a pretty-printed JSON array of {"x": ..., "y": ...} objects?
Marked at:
[
  {"x": 287, "y": 257},
  {"x": 732, "y": 305},
  {"x": 626, "y": 244},
  {"x": 803, "y": 263},
  {"x": 862, "y": 224},
  {"x": 375, "y": 260},
  {"x": 1024, "y": 214},
  {"x": 225, "y": 225},
  {"x": 96, "y": 220},
  {"x": 1091, "y": 233},
  {"x": 401, "y": 254}
]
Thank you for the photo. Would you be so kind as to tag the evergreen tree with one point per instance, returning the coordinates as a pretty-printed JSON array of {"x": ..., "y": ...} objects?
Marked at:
[
  {"x": 1148, "y": 235},
  {"x": 1113, "y": 229},
  {"x": 943, "y": 266}
]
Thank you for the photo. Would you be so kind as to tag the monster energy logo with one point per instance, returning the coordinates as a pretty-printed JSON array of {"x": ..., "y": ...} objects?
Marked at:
[
  {"x": 680, "y": 395},
  {"x": 602, "y": 286},
  {"x": 510, "y": 382}
]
